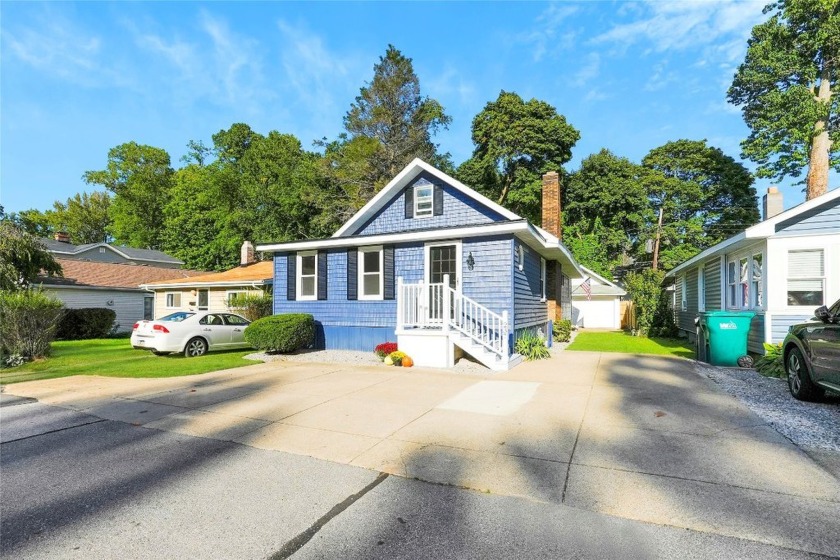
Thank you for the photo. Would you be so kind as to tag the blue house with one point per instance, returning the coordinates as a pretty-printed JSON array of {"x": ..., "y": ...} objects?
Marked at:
[{"x": 436, "y": 266}]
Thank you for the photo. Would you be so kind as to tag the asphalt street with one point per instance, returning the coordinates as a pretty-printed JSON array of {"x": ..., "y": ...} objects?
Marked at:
[{"x": 79, "y": 486}]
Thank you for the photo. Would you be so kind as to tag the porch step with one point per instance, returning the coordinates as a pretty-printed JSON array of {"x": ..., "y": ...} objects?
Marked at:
[{"x": 490, "y": 359}]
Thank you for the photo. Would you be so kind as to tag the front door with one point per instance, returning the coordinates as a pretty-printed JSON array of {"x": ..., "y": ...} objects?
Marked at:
[{"x": 441, "y": 259}]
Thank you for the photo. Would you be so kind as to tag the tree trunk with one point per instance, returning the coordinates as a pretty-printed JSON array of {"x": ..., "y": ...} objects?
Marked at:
[{"x": 817, "y": 180}]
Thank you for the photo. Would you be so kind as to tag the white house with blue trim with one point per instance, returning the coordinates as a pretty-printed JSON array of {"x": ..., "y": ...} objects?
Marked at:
[
  {"x": 782, "y": 269},
  {"x": 434, "y": 265}
]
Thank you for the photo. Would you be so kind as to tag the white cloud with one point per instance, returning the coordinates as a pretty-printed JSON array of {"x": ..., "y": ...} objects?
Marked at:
[
  {"x": 589, "y": 71},
  {"x": 549, "y": 33},
  {"x": 450, "y": 84}
]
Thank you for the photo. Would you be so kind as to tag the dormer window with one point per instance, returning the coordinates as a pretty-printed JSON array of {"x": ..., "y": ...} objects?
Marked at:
[{"x": 423, "y": 198}]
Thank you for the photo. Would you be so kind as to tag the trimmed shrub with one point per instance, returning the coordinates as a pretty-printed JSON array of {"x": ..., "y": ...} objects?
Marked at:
[
  {"x": 86, "y": 323},
  {"x": 384, "y": 349},
  {"x": 531, "y": 346},
  {"x": 252, "y": 306},
  {"x": 28, "y": 320},
  {"x": 284, "y": 333},
  {"x": 562, "y": 330}
]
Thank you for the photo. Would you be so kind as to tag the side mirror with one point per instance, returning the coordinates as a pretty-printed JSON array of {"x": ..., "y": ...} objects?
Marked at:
[{"x": 822, "y": 314}]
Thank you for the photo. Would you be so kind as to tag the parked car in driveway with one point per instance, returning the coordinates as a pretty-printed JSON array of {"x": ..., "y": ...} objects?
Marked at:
[
  {"x": 193, "y": 333},
  {"x": 812, "y": 354}
]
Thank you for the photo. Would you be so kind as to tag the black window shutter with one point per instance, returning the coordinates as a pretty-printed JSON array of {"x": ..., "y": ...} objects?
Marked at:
[
  {"x": 291, "y": 277},
  {"x": 322, "y": 275},
  {"x": 409, "y": 203},
  {"x": 388, "y": 264},
  {"x": 437, "y": 201},
  {"x": 352, "y": 274}
]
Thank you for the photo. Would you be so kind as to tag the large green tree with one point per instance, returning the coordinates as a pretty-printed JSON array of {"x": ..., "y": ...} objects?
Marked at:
[
  {"x": 84, "y": 217},
  {"x": 706, "y": 197},
  {"x": 391, "y": 110},
  {"x": 22, "y": 257},
  {"x": 140, "y": 177},
  {"x": 516, "y": 142},
  {"x": 787, "y": 87},
  {"x": 605, "y": 209}
]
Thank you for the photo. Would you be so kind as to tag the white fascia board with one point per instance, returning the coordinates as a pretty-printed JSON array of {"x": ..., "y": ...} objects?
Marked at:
[
  {"x": 711, "y": 251},
  {"x": 404, "y": 177},
  {"x": 139, "y": 289},
  {"x": 768, "y": 227},
  {"x": 549, "y": 246},
  {"x": 402, "y": 237},
  {"x": 600, "y": 278},
  {"x": 229, "y": 284}
]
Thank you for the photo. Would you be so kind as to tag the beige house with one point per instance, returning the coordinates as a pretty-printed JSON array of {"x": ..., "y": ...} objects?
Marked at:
[{"x": 214, "y": 291}]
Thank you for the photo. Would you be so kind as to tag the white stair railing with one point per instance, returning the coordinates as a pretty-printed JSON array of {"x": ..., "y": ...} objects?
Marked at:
[{"x": 440, "y": 306}]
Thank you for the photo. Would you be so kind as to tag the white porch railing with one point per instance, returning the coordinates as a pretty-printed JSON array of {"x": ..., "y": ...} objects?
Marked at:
[{"x": 438, "y": 306}]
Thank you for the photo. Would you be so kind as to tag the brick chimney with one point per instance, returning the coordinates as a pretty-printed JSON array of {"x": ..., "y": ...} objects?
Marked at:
[
  {"x": 62, "y": 236},
  {"x": 552, "y": 219},
  {"x": 772, "y": 203},
  {"x": 247, "y": 254}
]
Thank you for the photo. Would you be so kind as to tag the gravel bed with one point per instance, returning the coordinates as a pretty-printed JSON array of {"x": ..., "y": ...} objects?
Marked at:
[{"x": 812, "y": 425}]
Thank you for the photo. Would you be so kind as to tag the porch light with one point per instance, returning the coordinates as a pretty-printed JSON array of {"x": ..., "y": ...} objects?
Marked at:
[{"x": 470, "y": 261}]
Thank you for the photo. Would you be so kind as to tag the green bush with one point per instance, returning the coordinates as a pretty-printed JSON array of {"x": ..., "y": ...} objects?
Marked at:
[
  {"x": 562, "y": 330},
  {"x": 28, "y": 319},
  {"x": 282, "y": 333},
  {"x": 662, "y": 323},
  {"x": 85, "y": 324},
  {"x": 252, "y": 306},
  {"x": 531, "y": 346},
  {"x": 771, "y": 364}
]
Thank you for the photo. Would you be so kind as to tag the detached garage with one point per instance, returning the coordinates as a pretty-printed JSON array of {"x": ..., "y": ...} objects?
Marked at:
[{"x": 600, "y": 306}]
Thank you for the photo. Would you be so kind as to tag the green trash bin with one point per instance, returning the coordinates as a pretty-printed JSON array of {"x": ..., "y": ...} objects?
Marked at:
[{"x": 726, "y": 335}]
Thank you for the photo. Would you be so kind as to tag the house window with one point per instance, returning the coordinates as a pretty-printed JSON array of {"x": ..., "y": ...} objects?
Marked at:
[
  {"x": 148, "y": 308},
  {"x": 423, "y": 197},
  {"x": 520, "y": 257},
  {"x": 743, "y": 283},
  {"x": 173, "y": 300},
  {"x": 731, "y": 284},
  {"x": 757, "y": 290},
  {"x": 542, "y": 278},
  {"x": 370, "y": 273},
  {"x": 102, "y": 250},
  {"x": 231, "y": 297},
  {"x": 203, "y": 300},
  {"x": 307, "y": 272},
  {"x": 683, "y": 295},
  {"x": 701, "y": 289},
  {"x": 806, "y": 278}
]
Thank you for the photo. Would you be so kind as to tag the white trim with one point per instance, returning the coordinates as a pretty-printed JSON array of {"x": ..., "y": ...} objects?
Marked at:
[
  {"x": 701, "y": 288},
  {"x": 427, "y": 271},
  {"x": 166, "y": 300},
  {"x": 361, "y": 273},
  {"x": 543, "y": 279},
  {"x": 299, "y": 276},
  {"x": 431, "y": 211},
  {"x": 196, "y": 285},
  {"x": 520, "y": 257},
  {"x": 402, "y": 179}
]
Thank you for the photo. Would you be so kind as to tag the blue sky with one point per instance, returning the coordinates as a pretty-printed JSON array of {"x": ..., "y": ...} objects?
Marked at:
[{"x": 78, "y": 79}]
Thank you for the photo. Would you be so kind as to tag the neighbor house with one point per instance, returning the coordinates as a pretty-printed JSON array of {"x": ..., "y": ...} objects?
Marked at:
[
  {"x": 213, "y": 291},
  {"x": 109, "y": 285},
  {"x": 436, "y": 266},
  {"x": 782, "y": 268},
  {"x": 600, "y": 308},
  {"x": 61, "y": 248}
]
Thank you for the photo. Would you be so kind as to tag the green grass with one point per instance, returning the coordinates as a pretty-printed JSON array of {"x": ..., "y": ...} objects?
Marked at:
[
  {"x": 626, "y": 343},
  {"x": 116, "y": 358}
]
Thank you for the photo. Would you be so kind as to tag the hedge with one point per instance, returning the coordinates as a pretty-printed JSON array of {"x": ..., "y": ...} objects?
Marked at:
[
  {"x": 85, "y": 323},
  {"x": 28, "y": 320},
  {"x": 282, "y": 333}
]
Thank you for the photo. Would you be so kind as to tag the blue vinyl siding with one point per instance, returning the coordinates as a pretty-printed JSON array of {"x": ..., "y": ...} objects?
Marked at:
[
  {"x": 489, "y": 283},
  {"x": 528, "y": 306},
  {"x": 458, "y": 210},
  {"x": 823, "y": 219}
]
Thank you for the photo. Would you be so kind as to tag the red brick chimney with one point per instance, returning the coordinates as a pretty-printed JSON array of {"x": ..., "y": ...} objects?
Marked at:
[
  {"x": 552, "y": 219},
  {"x": 62, "y": 236}
]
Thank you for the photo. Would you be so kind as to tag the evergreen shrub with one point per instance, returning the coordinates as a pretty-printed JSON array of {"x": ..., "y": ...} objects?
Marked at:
[{"x": 283, "y": 333}]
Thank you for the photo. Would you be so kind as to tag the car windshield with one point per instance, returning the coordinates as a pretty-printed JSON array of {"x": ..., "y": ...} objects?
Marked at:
[{"x": 177, "y": 317}]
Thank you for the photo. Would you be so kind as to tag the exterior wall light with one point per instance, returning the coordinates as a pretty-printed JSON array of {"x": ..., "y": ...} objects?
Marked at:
[{"x": 470, "y": 261}]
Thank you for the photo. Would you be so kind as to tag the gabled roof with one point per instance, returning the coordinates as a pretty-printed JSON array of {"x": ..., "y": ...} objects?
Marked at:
[
  {"x": 408, "y": 174},
  {"x": 92, "y": 274},
  {"x": 601, "y": 287},
  {"x": 131, "y": 253},
  {"x": 256, "y": 274},
  {"x": 761, "y": 230}
]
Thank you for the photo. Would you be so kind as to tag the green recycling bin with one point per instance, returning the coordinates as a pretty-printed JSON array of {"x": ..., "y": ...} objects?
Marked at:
[{"x": 725, "y": 334}]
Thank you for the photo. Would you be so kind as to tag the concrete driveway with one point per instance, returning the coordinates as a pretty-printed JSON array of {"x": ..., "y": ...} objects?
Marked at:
[{"x": 640, "y": 438}]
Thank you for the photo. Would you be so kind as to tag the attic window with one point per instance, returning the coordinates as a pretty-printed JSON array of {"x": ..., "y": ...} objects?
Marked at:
[
  {"x": 423, "y": 199},
  {"x": 102, "y": 250}
]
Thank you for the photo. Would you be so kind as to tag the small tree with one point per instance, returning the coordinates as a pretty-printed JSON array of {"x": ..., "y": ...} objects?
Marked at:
[
  {"x": 22, "y": 258},
  {"x": 252, "y": 306},
  {"x": 644, "y": 288},
  {"x": 28, "y": 319}
]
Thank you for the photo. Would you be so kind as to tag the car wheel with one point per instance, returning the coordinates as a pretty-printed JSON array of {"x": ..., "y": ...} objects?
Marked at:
[
  {"x": 156, "y": 353},
  {"x": 195, "y": 347},
  {"x": 799, "y": 380}
]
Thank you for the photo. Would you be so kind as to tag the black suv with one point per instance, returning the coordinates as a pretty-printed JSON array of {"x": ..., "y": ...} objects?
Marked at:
[{"x": 812, "y": 354}]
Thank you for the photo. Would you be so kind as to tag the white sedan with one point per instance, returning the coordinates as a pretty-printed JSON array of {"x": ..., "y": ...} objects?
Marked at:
[{"x": 189, "y": 332}]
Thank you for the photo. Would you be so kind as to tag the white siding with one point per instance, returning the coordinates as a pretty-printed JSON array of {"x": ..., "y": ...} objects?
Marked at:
[
  {"x": 127, "y": 305},
  {"x": 598, "y": 313},
  {"x": 216, "y": 300}
]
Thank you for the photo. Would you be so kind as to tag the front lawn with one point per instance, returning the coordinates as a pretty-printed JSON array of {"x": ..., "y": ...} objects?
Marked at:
[
  {"x": 114, "y": 357},
  {"x": 628, "y": 344}
]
